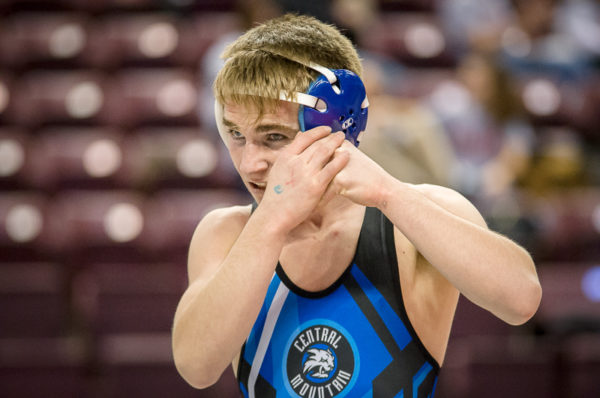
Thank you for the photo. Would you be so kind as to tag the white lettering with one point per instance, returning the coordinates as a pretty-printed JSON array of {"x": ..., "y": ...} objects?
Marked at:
[
  {"x": 331, "y": 338},
  {"x": 301, "y": 349},
  {"x": 324, "y": 334},
  {"x": 338, "y": 386},
  {"x": 317, "y": 330},
  {"x": 296, "y": 381},
  {"x": 310, "y": 337},
  {"x": 344, "y": 375},
  {"x": 303, "y": 389},
  {"x": 335, "y": 343},
  {"x": 328, "y": 387}
]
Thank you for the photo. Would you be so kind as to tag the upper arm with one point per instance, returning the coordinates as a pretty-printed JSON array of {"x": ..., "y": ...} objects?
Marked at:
[{"x": 212, "y": 240}]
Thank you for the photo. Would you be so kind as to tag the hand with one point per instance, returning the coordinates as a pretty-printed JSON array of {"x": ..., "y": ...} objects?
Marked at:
[
  {"x": 362, "y": 180},
  {"x": 301, "y": 174}
]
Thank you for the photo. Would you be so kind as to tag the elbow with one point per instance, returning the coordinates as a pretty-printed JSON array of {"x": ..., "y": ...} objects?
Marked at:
[
  {"x": 191, "y": 363},
  {"x": 527, "y": 304},
  {"x": 195, "y": 373}
]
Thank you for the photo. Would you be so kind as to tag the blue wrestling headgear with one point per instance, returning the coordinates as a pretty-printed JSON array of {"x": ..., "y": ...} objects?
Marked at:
[{"x": 337, "y": 99}]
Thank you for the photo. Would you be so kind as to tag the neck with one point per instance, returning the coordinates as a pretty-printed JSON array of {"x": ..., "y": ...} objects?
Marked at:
[{"x": 324, "y": 216}]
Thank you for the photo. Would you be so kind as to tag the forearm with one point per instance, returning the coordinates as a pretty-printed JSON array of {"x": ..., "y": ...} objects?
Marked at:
[
  {"x": 489, "y": 269},
  {"x": 215, "y": 316}
]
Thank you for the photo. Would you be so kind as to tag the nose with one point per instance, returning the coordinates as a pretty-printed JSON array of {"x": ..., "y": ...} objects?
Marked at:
[{"x": 254, "y": 159}]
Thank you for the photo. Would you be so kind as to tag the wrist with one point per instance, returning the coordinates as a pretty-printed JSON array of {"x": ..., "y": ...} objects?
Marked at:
[
  {"x": 388, "y": 190},
  {"x": 271, "y": 224}
]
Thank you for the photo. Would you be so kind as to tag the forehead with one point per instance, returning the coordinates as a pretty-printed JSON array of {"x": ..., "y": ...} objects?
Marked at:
[{"x": 286, "y": 113}]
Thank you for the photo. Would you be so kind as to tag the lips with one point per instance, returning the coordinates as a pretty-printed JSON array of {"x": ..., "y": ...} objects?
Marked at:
[{"x": 258, "y": 185}]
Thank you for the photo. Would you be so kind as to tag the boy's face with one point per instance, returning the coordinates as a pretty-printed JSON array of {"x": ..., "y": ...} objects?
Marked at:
[{"x": 255, "y": 145}]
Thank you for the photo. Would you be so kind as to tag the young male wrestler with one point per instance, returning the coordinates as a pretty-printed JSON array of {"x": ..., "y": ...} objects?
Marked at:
[{"x": 341, "y": 280}]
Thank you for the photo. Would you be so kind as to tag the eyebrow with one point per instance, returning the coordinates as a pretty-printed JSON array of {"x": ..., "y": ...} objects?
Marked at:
[{"x": 265, "y": 128}]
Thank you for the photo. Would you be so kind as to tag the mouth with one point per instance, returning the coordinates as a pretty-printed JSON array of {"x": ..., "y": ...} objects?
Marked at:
[{"x": 258, "y": 186}]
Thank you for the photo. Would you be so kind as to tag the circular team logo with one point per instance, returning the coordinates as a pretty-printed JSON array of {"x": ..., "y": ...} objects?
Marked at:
[{"x": 320, "y": 362}]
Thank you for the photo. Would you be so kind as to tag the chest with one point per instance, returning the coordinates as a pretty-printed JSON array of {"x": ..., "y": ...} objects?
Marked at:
[{"x": 315, "y": 263}]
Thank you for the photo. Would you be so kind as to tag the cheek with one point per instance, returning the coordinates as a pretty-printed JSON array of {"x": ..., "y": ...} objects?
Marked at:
[{"x": 236, "y": 156}]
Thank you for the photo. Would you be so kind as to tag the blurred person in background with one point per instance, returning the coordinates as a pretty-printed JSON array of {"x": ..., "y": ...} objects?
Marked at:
[
  {"x": 405, "y": 137},
  {"x": 341, "y": 278}
]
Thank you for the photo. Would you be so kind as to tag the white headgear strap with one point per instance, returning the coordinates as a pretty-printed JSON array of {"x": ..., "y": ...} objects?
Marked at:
[{"x": 296, "y": 97}]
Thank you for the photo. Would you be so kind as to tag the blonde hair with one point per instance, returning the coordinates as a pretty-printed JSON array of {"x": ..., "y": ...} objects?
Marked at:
[{"x": 270, "y": 59}]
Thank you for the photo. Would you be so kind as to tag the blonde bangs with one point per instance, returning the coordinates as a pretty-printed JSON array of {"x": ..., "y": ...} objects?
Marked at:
[{"x": 256, "y": 78}]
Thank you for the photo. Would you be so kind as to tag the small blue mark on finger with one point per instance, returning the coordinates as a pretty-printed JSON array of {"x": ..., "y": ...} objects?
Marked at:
[{"x": 278, "y": 189}]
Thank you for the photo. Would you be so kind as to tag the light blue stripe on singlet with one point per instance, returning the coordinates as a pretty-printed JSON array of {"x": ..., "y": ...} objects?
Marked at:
[
  {"x": 419, "y": 377},
  {"x": 265, "y": 337},
  {"x": 369, "y": 394},
  {"x": 400, "y": 394},
  {"x": 244, "y": 391},
  {"x": 252, "y": 341},
  {"x": 390, "y": 318}
]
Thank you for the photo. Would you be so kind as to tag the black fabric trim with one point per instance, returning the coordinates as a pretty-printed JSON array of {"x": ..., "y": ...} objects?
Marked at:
[
  {"x": 389, "y": 248},
  {"x": 239, "y": 373},
  {"x": 373, "y": 317},
  {"x": 308, "y": 294},
  {"x": 322, "y": 293}
]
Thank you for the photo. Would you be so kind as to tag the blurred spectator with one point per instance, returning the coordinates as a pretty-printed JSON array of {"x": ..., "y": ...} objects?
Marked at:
[
  {"x": 403, "y": 136},
  {"x": 485, "y": 124}
]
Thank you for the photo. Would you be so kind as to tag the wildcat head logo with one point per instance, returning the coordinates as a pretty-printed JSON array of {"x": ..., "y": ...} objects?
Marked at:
[{"x": 320, "y": 362}]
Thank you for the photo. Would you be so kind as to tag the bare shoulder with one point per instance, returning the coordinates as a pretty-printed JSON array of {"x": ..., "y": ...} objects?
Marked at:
[
  {"x": 213, "y": 238},
  {"x": 452, "y": 201}
]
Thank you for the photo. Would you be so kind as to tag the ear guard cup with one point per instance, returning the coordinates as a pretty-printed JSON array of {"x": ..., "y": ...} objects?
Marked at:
[{"x": 342, "y": 105}]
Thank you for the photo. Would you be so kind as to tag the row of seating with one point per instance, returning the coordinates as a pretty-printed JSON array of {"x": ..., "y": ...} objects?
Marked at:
[
  {"x": 97, "y": 222},
  {"x": 77, "y": 39},
  {"x": 142, "y": 96},
  {"x": 97, "y": 157}
]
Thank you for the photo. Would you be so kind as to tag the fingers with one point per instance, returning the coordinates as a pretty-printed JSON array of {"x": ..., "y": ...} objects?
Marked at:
[
  {"x": 305, "y": 139},
  {"x": 334, "y": 166},
  {"x": 320, "y": 152}
]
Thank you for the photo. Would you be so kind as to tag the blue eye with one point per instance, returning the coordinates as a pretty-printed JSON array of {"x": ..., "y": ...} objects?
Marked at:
[
  {"x": 236, "y": 135},
  {"x": 276, "y": 137}
]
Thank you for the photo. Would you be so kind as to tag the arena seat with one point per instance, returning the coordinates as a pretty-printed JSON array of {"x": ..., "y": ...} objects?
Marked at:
[
  {"x": 62, "y": 96},
  {"x": 80, "y": 157},
  {"x": 415, "y": 39},
  {"x": 52, "y": 367},
  {"x": 6, "y": 95},
  {"x": 568, "y": 225},
  {"x": 571, "y": 292},
  {"x": 172, "y": 215},
  {"x": 582, "y": 361},
  {"x": 157, "y": 95},
  {"x": 34, "y": 300},
  {"x": 25, "y": 231},
  {"x": 211, "y": 25},
  {"x": 31, "y": 39},
  {"x": 184, "y": 157},
  {"x": 123, "y": 297},
  {"x": 141, "y": 365},
  {"x": 472, "y": 320},
  {"x": 104, "y": 224},
  {"x": 147, "y": 39},
  {"x": 511, "y": 367},
  {"x": 14, "y": 158}
]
